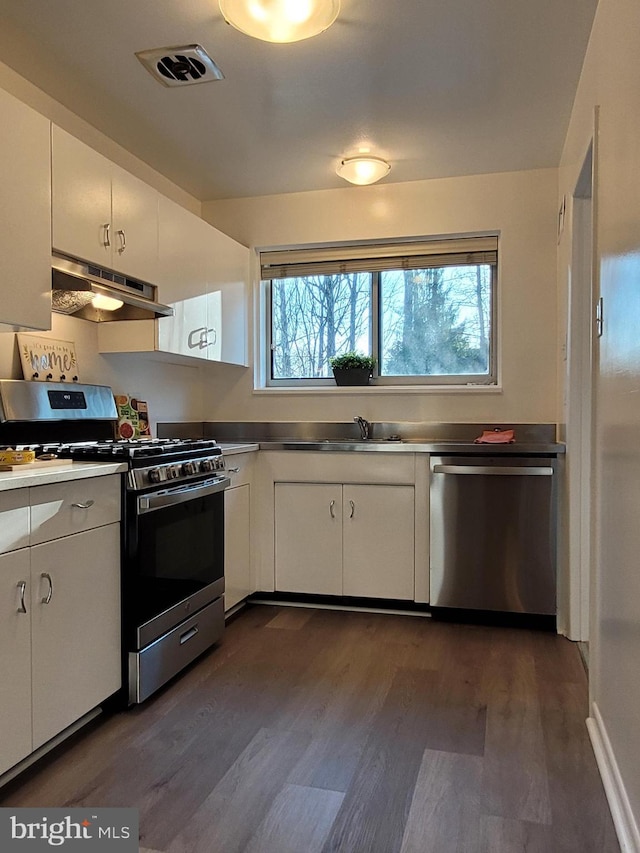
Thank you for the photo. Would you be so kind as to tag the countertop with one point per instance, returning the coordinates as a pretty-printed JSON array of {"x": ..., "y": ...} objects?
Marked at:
[
  {"x": 24, "y": 476},
  {"x": 238, "y": 447}
]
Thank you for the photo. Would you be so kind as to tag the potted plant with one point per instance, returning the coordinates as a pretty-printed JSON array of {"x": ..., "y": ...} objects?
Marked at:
[{"x": 351, "y": 368}]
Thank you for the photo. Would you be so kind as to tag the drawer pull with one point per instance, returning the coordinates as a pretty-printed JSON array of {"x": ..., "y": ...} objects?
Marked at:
[
  {"x": 353, "y": 509},
  {"x": 22, "y": 587},
  {"x": 233, "y": 470},
  {"x": 47, "y": 577},
  {"x": 188, "y": 635},
  {"x": 85, "y": 505},
  {"x": 331, "y": 512}
]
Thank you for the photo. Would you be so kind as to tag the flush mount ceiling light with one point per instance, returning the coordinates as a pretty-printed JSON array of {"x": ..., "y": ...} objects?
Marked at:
[
  {"x": 363, "y": 169},
  {"x": 280, "y": 20}
]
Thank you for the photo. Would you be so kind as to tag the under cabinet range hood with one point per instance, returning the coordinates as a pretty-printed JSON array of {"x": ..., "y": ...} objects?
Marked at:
[{"x": 77, "y": 286}]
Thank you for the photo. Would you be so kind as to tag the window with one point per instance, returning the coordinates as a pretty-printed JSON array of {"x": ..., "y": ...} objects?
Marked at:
[{"x": 424, "y": 310}]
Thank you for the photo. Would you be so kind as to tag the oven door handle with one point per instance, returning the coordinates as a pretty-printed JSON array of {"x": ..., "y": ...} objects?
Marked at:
[{"x": 150, "y": 503}]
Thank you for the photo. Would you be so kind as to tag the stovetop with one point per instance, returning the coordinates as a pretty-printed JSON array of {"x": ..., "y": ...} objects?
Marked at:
[
  {"x": 137, "y": 452},
  {"x": 151, "y": 461}
]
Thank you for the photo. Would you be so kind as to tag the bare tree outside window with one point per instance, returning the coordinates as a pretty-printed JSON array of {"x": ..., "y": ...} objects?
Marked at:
[
  {"x": 434, "y": 321},
  {"x": 428, "y": 324},
  {"x": 315, "y": 317}
]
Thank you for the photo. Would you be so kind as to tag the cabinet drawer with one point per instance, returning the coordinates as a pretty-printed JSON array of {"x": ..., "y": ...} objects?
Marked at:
[
  {"x": 239, "y": 467},
  {"x": 64, "y": 508},
  {"x": 14, "y": 520}
]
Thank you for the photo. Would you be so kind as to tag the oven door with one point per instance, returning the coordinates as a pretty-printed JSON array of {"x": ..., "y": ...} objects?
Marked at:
[{"x": 174, "y": 557}]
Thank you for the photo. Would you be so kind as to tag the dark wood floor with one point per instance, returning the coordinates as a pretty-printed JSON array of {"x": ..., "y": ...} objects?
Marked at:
[{"x": 311, "y": 731}]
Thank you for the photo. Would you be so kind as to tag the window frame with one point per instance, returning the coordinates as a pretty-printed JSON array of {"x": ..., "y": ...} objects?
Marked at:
[{"x": 389, "y": 251}]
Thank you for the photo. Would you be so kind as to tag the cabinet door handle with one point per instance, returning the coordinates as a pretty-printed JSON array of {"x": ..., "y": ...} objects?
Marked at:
[
  {"x": 47, "y": 577},
  {"x": 22, "y": 586},
  {"x": 107, "y": 235},
  {"x": 123, "y": 240},
  {"x": 233, "y": 470},
  {"x": 353, "y": 509},
  {"x": 86, "y": 505},
  {"x": 331, "y": 512}
]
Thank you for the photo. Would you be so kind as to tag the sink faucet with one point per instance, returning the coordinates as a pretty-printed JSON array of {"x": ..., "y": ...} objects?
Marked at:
[{"x": 365, "y": 427}]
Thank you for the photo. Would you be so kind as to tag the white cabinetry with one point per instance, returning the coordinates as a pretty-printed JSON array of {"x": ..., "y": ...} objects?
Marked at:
[
  {"x": 60, "y": 609},
  {"x": 204, "y": 276},
  {"x": 101, "y": 213},
  {"x": 345, "y": 539},
  {"x": 15, "y": 658},
  {"x": 195, "y": 329},
  {"x": 237, "y": 520},
  {"x": 76, "y": 635},
  {"x": 25, "y": 217}
]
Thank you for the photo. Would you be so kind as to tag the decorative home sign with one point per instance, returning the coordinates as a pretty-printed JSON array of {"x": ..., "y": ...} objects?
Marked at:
[{"x": 46, "y": 360}]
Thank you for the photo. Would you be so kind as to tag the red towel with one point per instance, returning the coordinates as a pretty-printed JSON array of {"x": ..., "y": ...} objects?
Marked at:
[{"x": 496, "y": 436}]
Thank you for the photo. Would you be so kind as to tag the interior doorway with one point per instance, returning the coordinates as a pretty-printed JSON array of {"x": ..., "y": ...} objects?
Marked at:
[{"x": 581, "y": 402}]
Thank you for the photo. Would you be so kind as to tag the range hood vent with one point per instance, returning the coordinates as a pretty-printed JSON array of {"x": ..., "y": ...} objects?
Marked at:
[{"x": 75, "y": 284}]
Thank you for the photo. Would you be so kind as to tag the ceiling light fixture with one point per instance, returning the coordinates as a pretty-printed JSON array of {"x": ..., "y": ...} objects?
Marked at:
[
  {"x": 363, "y": 169},
  {"x": 106, "y": 303},
  {"x": 280, "y": 20}
]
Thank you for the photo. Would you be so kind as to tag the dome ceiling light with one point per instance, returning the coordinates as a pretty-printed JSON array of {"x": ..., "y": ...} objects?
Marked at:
[
  {"x": 363, "y": 169},
  {"x": 280, "y": 21}
]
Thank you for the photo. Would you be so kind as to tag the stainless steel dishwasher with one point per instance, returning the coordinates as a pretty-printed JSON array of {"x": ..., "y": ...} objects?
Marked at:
[{"x": 493, "y": 533}]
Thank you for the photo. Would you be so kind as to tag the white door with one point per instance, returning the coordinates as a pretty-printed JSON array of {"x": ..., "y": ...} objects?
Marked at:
[
  {"x": 15, "y": 658},
  {"x": 25, "y": 216},
  {"x": 135, "y": 226},
  {"x": 75, "y": 604},
  {"x": 308, "y": 538},
  {"x": 81, "y": 200},
  {"x": 379, "y": 541},
  {"x": 183, "y": 281},
  {"x": 237, "y": 545}
]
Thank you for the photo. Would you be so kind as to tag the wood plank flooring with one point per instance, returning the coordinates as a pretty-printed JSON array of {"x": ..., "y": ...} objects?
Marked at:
[{"x": 316, "y": 731}]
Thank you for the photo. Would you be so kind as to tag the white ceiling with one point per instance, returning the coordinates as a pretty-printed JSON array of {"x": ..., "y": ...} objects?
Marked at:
[{"x": 438, "y": 87}]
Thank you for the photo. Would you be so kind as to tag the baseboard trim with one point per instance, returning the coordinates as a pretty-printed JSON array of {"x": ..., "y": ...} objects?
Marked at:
[{"x": 621, "y": 811}]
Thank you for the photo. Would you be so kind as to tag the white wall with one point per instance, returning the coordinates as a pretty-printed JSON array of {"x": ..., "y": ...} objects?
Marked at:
[
  {"x": 174, "y": 392},
  {"x": 611, "y": 81},
  {"x": 520, "y": 206}
]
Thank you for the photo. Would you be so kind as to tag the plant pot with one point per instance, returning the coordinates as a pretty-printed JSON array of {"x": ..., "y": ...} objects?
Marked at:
[{"x": 352, "y": 376}]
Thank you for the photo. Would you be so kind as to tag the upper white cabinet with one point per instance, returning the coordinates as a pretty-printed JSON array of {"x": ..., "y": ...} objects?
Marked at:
[
  {"x": 185, "y": 274},
  {"x": 25, "y": 217},
  {"x": 204, "y": 276},
  {"x": 101, "y": 213}
]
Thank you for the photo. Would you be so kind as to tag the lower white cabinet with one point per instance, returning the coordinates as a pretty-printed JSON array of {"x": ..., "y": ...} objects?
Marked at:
[
  {"x": 75, "y": 627},
  {"x": 345, "y": 539},
  {"x": 237, "y": 528},
  {"x": 59, "y": 609},
  {"x": 15, "y": 658},
  {"x": 237, "y": 559}
]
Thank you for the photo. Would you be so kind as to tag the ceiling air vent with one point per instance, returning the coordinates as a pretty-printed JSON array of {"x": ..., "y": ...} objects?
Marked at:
[{"x": 180, "y": 66}]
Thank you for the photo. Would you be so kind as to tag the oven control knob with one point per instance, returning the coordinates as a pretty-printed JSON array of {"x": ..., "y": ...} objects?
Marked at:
[
  {"x": 206, "y": 465},
  {"x": 190, "y": 468},
  {"x": 157, "y": 475},
  {"x": 173, "y": 471}
]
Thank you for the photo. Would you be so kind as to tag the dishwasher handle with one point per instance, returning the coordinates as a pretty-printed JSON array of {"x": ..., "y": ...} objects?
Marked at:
[{"x": 496, "y": 470}]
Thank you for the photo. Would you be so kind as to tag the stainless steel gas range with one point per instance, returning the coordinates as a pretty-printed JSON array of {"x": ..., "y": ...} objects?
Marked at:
[
  {"x": 172, "y": 525},
  {"x": 173, "y": 553}
]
